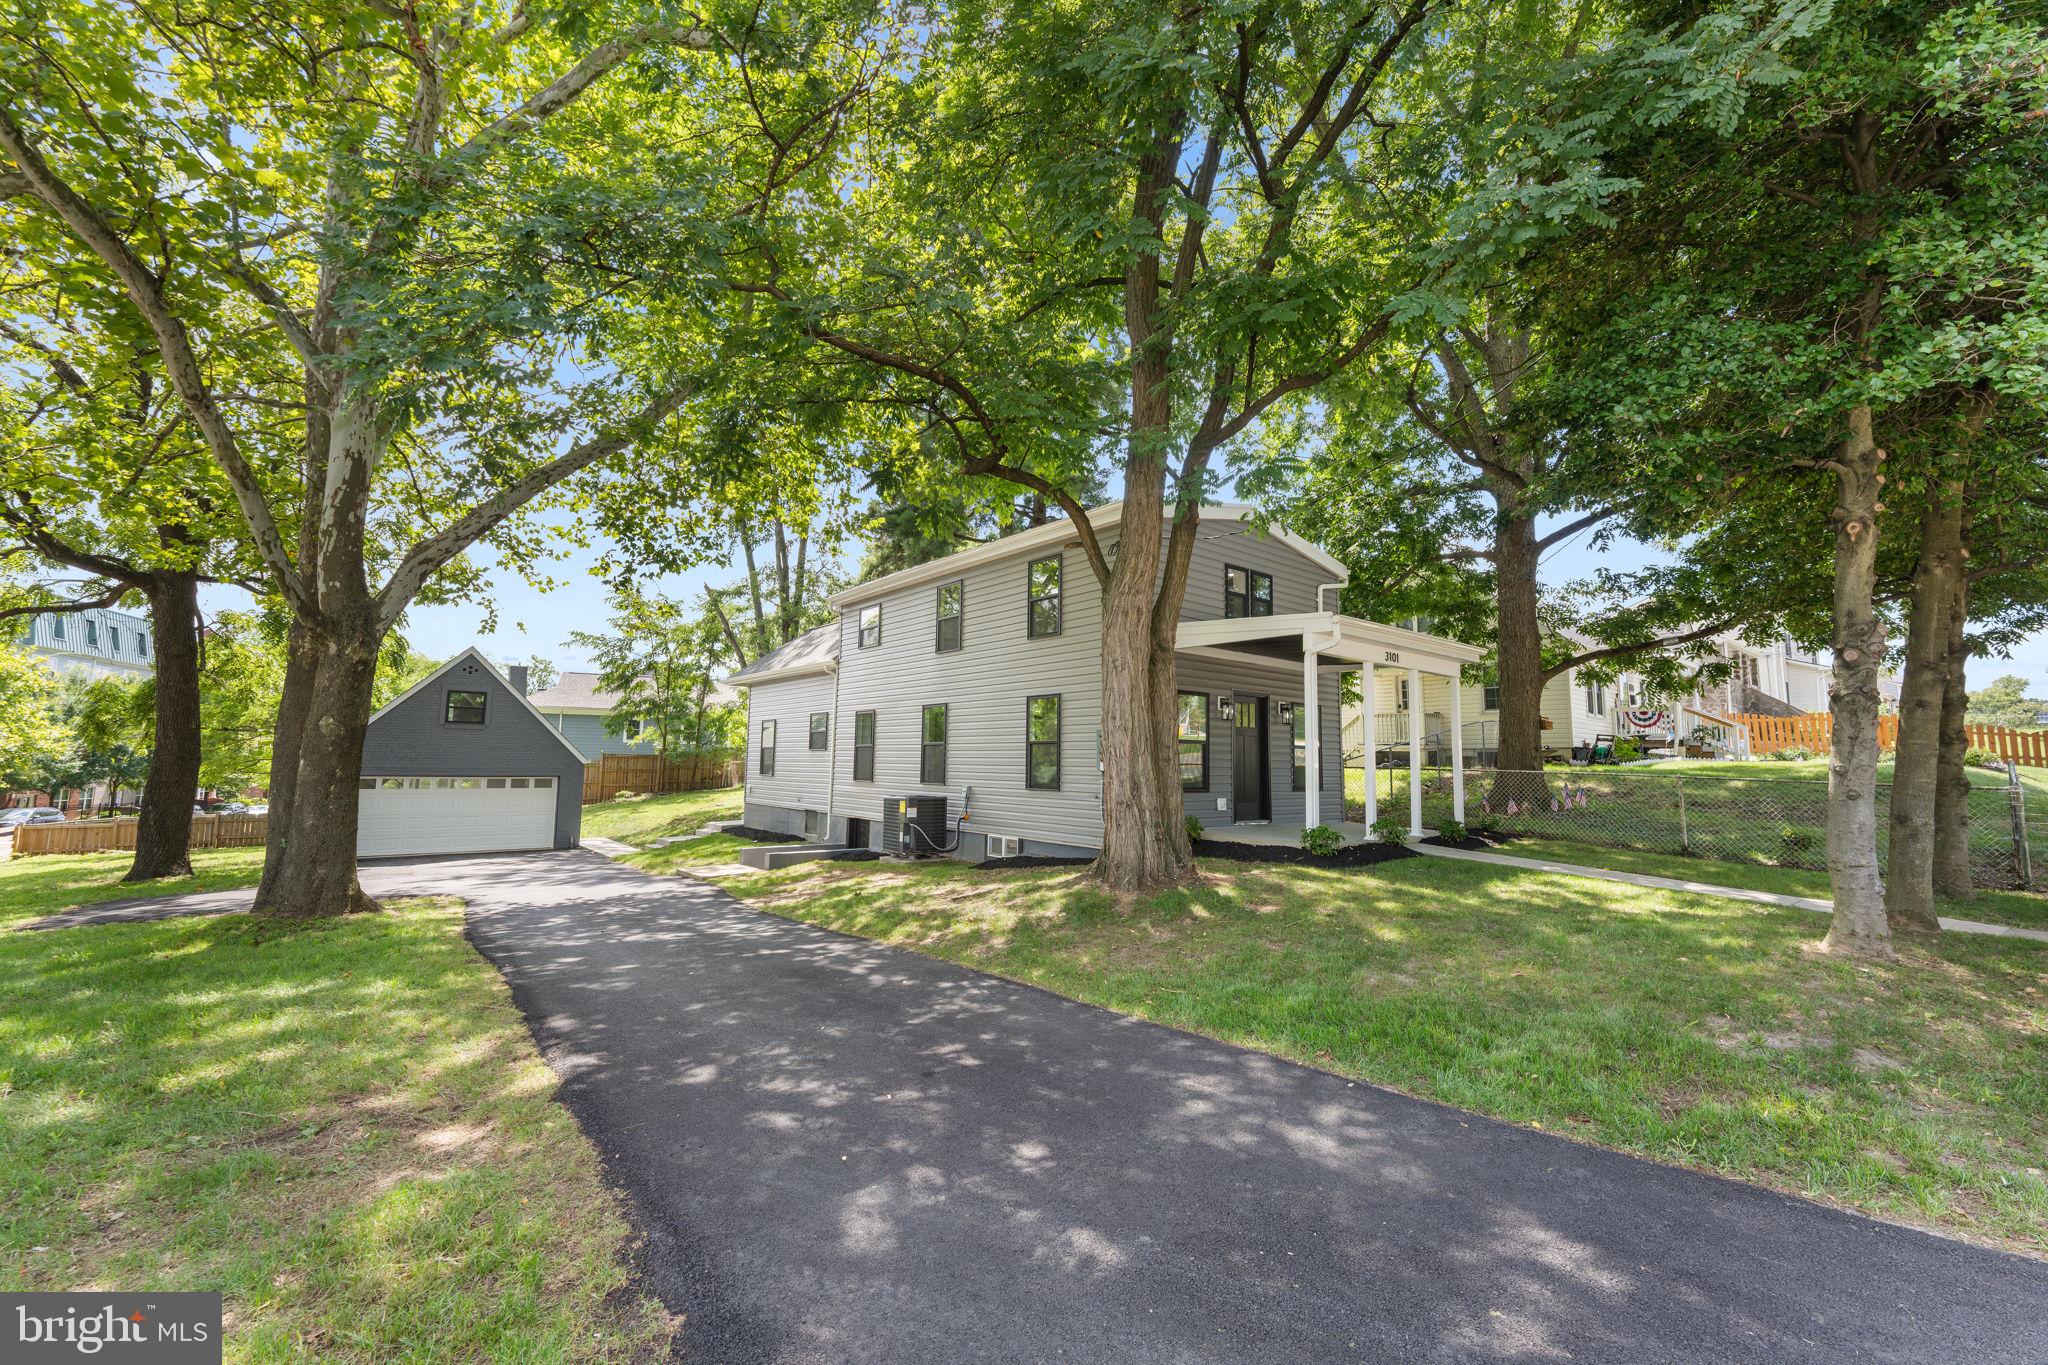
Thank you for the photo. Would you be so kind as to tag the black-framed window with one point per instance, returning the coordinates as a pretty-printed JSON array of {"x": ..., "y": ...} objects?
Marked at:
[
  {"x": 1489, "y": 697},
  {"x": 767, "y": 748},
  {"x": 1042, "y": 742},
  {"x": 1300, "y": 747},
  {"x": 821, "y": 729},
  {"x": 92, "y": 633},
  {"x": 931, "y": 753},
  {"x": 870, "y": 626},
  {"x": 952, "y": 601},
  {"x": 863, "y": 746},
  {"x": 1043, "y": 589},
  {"x": 1194, "y": 741},
  {"x": 464, "y": 708},
  {"x": 1246, "y": 592}
]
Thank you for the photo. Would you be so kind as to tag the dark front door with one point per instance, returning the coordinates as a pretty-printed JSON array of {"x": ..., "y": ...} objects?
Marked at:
[{"x": 1248, "y": 761}]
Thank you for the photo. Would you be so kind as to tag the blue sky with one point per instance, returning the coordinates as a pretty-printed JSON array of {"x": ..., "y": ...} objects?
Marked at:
[{"x": 534, "y": 622}]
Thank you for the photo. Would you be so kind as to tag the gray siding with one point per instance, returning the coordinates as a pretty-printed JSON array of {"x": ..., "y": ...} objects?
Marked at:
[
  {"x": 803, "y": 775},
  {"x": 588, "y": 734},
  {"x": 414, "y": 739},
  {"x": 1295, "y": 576},
  {"x": 984, "y": 684}
]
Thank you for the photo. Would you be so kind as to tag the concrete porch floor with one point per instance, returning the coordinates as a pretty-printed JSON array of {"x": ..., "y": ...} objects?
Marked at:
[{"x": 1284, "y": 832}]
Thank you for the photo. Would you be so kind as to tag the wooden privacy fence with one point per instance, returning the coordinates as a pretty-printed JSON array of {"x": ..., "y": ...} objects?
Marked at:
[
  {"x": 99, "y": 836},
  {"x": 646, "y": 773},
  {"x": 1768, "y": 733}
]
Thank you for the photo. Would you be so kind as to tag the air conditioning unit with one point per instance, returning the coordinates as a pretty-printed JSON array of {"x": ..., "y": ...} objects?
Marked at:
[
  {"x": 914, "y": 826},
  {"x": 1002, "y": 845}
]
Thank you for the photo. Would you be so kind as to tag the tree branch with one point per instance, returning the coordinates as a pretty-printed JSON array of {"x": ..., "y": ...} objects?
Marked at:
[{"x": 1594, "y": 656}]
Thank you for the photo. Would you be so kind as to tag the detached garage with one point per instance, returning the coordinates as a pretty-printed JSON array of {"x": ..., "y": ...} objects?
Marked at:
[{"x": 462, "y": 763}]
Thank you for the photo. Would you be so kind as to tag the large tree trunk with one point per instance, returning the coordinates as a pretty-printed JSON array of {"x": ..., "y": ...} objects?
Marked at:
[
  {"x": 1951, "y": 774},
  {"x": 1518, "y": 637},
  {"x": 312, "y": 872},
  {"x": 1859, "y": 919},
  {"x": 1937, "y": 590},
  {"x": 163, "y": 835},
  {"x": 294, "y": 713}
]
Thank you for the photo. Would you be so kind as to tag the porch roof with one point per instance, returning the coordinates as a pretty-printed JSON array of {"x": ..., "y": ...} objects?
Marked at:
[{"x": 1338, "y": 639}]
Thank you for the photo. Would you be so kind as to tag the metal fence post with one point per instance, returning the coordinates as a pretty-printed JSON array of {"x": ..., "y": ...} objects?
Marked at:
[
  {"x": 2018, "y": 797},
  {"x": 1684, "y": 838}
]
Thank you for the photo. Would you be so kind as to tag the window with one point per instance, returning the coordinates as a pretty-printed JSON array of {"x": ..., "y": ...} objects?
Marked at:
[
  {"x": 767, "y": 748},
  {"x": 142, "y": 643},
  {"x": 863, "y": 746},
  {"x": 821, "y": 729},
  {"x": 1402, "y": 703},
  {"x": 1042, "y": 742},
  {"x": 951, "y": 597},
  {"x": 368, "y": 784},
  {"x": 633, "y": 729},
  {"x": 931, "y": 759},
  {"x": 541, "y": 784},
  {"x": 464, "y": 708},
  {"x": 1596, "y": 698},
  {"x": 56, "y": 627},
  {"x": 1490, "y": 697},
  {"x": 521, "y": 783},
  {"x": 496, "y": 784},
  {"x": 1194, "y": 741},
  {"x": 1247, "y": 592},
  {"x": 870, "y": 626},
  {"x": 113, "y": 639},
  {"x": 92, "y": 633},
  {"x": 1044, "y": 590},
  {"x": 1300, "y": 746}
]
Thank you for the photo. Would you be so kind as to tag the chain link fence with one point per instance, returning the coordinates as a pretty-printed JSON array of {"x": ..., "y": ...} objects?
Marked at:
[{"x": 1778, "y": 822}]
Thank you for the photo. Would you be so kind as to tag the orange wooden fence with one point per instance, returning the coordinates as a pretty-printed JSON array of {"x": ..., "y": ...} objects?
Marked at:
[
  {"x": 1770, "y": 733},
  {"x": 645, "y": 773},
  {"x": 99, "y": 836}
]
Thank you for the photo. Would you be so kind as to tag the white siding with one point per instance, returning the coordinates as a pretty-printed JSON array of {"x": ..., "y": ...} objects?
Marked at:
[{"x": 803, "y": 776}]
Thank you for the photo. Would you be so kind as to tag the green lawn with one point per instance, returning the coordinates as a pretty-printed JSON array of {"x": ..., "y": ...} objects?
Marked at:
[
  {"x": 33, "y": 887},
  {"x": 344, "y": 1127},
  {"x": 641, "y": 820},
  {"x": 1698, "y": 1031}
]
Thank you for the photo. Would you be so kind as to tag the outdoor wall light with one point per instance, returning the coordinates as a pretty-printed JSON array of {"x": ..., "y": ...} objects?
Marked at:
[
  {"x": 1287, "y": 713},
  {"x": 1226, "y": 708}
]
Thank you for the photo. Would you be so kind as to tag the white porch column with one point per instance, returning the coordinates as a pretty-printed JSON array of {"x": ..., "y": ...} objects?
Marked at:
[
  {"x": 1310, "y": 657},
  {"x": 1458, "y": 748},
  {"x": 1369, "y": 677},
  {"x": 1415, "y": 752}
]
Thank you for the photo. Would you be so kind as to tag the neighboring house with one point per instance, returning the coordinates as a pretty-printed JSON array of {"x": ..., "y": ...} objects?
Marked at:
[
  {"x": 1778, "y": 679},
  {"x": 463, "y": 763},
  {"x": 580, "y": 709},
  {"x": 102, "y": 642},
  {"x": 976, "y": 680}
]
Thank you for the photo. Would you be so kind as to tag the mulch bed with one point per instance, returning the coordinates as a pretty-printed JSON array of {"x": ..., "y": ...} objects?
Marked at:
[
  {"x": 1005, "y": 864},
  {"x": 761, "y": 836},
  {"x": 1351, "y": 855},
  {"x": 1471, "y": 843}
]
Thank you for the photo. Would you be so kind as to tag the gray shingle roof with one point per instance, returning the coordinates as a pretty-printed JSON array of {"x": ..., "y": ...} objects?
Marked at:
[
  {"x": 812, "y": 651},
  {"x": 577, "y": 691}
]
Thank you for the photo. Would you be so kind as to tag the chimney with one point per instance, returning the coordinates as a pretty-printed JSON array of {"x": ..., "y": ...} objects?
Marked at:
[{"x": 518, "y": 676}]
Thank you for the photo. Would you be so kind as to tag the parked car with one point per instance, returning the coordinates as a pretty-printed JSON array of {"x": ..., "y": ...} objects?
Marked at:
[{"x": 17, "y": 816}]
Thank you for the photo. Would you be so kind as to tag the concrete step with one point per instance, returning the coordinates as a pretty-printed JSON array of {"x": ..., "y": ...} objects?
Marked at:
[{"x": 768, "y": 857}]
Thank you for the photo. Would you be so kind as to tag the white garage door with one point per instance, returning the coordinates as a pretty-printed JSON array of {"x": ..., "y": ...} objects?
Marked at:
[{"x": 453, "y": 815}]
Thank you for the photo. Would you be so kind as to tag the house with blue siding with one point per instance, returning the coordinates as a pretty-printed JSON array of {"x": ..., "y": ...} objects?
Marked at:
[{"x": 580, "y": 710}]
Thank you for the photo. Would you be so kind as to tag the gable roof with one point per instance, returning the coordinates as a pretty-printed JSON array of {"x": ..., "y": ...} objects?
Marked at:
[
  {"x": 815, "y": 651},
  {"x": 1107, "y": 517},
  {"x": 474, "y": 653},
  {"x": 575, "y": 690}
]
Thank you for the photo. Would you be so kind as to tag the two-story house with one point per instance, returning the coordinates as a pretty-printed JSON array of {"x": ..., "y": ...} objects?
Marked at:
[
  {"x": 976, "y": 679},
  {"x": 102, "y": 641}
]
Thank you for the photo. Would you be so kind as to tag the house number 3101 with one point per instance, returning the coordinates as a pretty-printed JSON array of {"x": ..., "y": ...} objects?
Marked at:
[{"x": 1393, "y": 656}]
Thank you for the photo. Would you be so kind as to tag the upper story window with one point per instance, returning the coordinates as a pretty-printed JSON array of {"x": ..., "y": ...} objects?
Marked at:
[
  {"x": 863, "y": 746},
  {"x": 465, "y": 708},
  {"x": 92, "y": 633},
  {"x": 1247, "y": 592},
  {"x": 1047, "y": 616},
  {"x": 633, "y": 729},
  {"x": 870, "y": 626},
  {"x": 1596, "y": 698},
  {"x": 142, "y": 643},
  {"x": 56, "y": 627},
  {"x": 1490, "y": 697},
  {"x": 952, "y": 599},
  {"x": 821, "y": 729},
  {"x": 113, "y": 639},
  {"x": 767, "y": 748}
]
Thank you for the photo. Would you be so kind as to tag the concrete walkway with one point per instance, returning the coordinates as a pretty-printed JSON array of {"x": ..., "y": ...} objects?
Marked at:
[{"x": 1733, "y": 893}]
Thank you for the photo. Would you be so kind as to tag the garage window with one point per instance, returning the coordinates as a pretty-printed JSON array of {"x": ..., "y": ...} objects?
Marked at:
[
  {"x": 520, "y": 783},
  {"x": 541, "y": 784},
  {"x": 495, "y": 783},
  {"x": 368, "y": 784},
  {"x": 465, "y": 708}
]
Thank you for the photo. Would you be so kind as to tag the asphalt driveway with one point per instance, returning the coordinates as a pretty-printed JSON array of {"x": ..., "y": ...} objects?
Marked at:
[{"x": 847, "y": 1152}]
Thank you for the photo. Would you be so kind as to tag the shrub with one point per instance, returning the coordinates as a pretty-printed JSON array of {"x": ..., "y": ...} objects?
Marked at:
[
  {"x": 1390, "y": 829},
  {"x": 1794, "y": 844},
  {"x": 1194, "y": 828},
  {"x": 1627, "y": 750},
  {"x": 1452, "y": 831},
  {"x": 1484, "y": 824},
  {"x": 1798, "y": 753},
  {"x": 1983, "y": 758},
  {"x": 1321, "y": 840}
]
